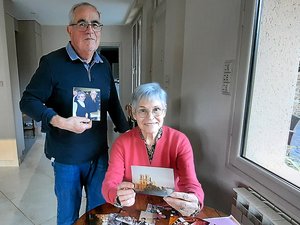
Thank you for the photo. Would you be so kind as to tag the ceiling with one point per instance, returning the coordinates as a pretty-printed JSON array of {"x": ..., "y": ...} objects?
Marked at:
[{"x": 55, "y": 12}]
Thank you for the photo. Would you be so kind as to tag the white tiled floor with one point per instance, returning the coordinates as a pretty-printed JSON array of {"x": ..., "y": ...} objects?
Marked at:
[{"x": 27, "y": 192}]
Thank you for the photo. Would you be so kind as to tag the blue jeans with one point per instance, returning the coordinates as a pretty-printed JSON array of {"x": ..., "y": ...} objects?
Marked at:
[{"x": 69, "y": 181}]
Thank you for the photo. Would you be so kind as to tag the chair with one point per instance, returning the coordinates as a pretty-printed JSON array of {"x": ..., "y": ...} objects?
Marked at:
[
  {"x": 28, "y": 124},
  {"x": 131, "y": 121}
]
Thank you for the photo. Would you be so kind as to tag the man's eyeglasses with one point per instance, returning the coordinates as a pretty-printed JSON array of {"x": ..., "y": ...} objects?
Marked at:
[
  {"x": 83, "y": 25},
  {"x": 156, "y": 112}
]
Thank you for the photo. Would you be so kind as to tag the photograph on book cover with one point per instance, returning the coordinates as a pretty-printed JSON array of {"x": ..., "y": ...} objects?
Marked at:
[
  {"x": 153, "y": 180},
  {"x": 86, "y": 103},
  {"x": 147, "y": 218},
  {"x": 175, "y": 220},
  {"x": 113, "y": 219}
]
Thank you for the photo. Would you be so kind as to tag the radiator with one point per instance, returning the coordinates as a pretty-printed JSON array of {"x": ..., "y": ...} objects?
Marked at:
[{"x": 250, "y": 208}]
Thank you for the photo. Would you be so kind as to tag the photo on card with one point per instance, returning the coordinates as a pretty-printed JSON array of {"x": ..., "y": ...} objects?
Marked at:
[
  {"x": 87, "y": 103},
  {"x": 153, "y": 180},
  {"x": 102, "y": 219},
  {"x": 117, "y": 219},
  {"x": 177, "y": 220},
  {"x": 147, "y": 218},
  {"x": 155, "y": 208}
]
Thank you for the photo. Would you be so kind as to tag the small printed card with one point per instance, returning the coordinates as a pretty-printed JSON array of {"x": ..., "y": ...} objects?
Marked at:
[
  {"x": 147, "y": 218},
  {"x": 153, "y": 180},
  {"x": 187, "y": 221},
  {"x": 227, "y": 220},
  {"x": 86, "y": 103}
]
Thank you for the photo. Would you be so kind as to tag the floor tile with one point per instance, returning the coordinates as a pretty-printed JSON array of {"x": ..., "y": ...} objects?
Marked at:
[
  {"x": 10, "y": 215},
  {"x": 37, "y": 201},
  {"x": 16, "y": 181},
  {"x": 27, "y": 195},
  {"x": 52, "y": 221}
]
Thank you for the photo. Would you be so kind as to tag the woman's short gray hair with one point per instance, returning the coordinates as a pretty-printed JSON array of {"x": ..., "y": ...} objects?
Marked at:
[
  {"x": 149, "y": 92},
  {"x": 72, "y": 11}
]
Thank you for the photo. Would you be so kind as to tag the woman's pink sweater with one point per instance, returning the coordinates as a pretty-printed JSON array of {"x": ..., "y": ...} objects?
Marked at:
[{"x": 173, "y": 150}]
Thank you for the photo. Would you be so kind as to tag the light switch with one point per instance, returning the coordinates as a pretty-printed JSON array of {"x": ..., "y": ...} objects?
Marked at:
[
  {"x": 228, "y": 66},
  {"x": 227, "y": 78},
  {"x": 226, "y": 88},
  {"x": 227, "y": 73}
]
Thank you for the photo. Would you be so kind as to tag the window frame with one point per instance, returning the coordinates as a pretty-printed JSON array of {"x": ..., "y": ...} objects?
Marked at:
[
  {"x": 136, "y": 30},
  {"x": 284, "y": 195}
]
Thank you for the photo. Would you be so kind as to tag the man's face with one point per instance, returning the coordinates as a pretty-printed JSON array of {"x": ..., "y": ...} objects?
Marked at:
[{"x": 85, "y": 42}]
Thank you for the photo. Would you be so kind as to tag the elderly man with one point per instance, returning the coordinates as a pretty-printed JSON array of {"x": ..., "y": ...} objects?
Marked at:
[{"x": 76, "y": 146}]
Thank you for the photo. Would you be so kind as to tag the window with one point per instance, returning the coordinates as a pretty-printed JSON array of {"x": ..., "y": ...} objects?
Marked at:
[
  {"x": 265, "y": 105},
  {"x": 136, "y": 53}
]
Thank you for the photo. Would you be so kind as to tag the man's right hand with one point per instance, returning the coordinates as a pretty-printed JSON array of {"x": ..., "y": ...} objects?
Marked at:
[{"x": 74, "y": 124}]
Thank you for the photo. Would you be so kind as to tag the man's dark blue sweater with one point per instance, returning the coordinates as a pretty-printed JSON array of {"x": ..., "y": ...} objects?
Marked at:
[{"x": 50, "y": 92}]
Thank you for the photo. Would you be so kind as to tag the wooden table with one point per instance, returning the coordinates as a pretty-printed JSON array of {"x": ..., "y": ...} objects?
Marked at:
[{"x": 90, "y": 218}]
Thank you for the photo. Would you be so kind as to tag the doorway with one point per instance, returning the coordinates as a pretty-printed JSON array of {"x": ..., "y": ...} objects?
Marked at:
[{"x": 111, "y": 53}]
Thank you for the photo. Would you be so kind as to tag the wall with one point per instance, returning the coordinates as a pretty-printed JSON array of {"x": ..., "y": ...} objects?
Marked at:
[
  {"x": 146, "y": 45},
  {"x": 210, "y": 38},
  {"x": 29, "y": 50},
  {"x": 121, "y": 36},
  {"x": 14, "y": 78},
  {"x": 53, "y": 37},
  {"x": 174, "y": 39},
  {"x": 162, "y": 51},
  {"x": 158, "y": 49},
  {"x": 8, "y": 145}
]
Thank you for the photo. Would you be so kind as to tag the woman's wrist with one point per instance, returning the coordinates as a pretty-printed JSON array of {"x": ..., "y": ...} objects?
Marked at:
[
  {"x": 117, "y": 203},
  {"x": 197, "y": 211}
]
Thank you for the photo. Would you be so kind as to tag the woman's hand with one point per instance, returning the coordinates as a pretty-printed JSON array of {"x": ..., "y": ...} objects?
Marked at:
[
  {"x": 185, "y": 203},
  {"x": 126, "y": 194}
]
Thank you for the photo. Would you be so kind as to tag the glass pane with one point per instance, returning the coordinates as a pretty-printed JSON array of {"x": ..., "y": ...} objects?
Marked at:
[
  {"x": 293, "y": 149},
  {"x": 267, "y": 137}
]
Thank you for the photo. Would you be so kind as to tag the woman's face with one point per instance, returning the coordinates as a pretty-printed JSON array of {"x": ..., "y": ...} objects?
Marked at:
[
  {"x": 81, "y": 97},
  {"x": 149, "y": 116}
]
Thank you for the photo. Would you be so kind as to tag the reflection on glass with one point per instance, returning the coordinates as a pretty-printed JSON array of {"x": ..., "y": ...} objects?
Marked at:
[
  {"x": 293, "y": 149},
  {"x": 271, "y": 94}
]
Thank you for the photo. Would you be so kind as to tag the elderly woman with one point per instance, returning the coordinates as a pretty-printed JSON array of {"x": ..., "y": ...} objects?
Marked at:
[{"x": 155, "y": 145}]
